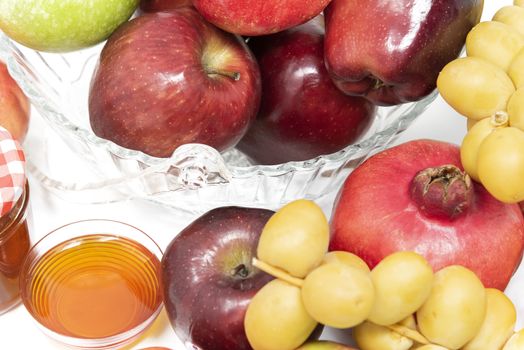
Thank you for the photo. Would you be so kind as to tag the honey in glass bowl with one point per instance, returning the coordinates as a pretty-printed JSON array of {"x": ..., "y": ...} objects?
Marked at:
[{"x": 95, "y": 290}]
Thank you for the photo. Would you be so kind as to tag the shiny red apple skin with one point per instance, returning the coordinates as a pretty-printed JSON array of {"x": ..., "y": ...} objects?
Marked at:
[
  {"x": 162, "y": 5},
  {"x": 259, "y": 17},
  {"x": 302, "y": 113},
  {"x": 391, "y": 51},
  {"x": 205, "y": 293},
  {"x": 156, "y": 88},
  {"x": 15, "y": 109}
]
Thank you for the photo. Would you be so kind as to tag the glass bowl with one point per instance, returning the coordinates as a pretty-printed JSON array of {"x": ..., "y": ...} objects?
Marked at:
[
  {"x": 196, "y": 177},
  {"x": 93, "y": 284}
]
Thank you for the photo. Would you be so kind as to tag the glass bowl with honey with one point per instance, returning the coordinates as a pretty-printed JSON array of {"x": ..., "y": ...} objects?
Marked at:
[{"x": 93, "y": 284}]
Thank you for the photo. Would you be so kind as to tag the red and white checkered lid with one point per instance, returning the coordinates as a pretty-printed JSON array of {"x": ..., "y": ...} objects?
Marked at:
[{"x": 12, "y": 171}]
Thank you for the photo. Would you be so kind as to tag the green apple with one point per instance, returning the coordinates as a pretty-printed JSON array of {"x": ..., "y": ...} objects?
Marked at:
[{"x": 63, "y": 25}]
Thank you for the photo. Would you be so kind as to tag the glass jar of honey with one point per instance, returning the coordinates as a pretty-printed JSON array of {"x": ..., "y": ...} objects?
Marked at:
[{"x": 14, "y": 232}]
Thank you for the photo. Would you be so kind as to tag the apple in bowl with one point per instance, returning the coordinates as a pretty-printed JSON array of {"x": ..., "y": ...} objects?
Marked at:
[
  {"x": 391, "y": 51},
  {"x": 302, "y": 113},
  {"x": 169, "y": 78},
  {"x": 260, "y": 17}
]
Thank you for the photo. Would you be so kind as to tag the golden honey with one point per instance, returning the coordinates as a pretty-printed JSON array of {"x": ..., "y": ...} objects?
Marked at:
[
  {"x": 14, "y": 245},
  {"x": 93, "y": 286}
]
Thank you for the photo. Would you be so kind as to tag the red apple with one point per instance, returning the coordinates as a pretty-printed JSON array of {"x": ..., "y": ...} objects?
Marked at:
[
  {"x": 391, "y": 51},
  {"x": 162, "y": 5},
  {"x": 169, "y": 78},
  {"x": 302, "y": 113},
  {"x": 260, "y": 17},
  {"x": 209, "y": 279},
  {"x": 14, "y": 106}
]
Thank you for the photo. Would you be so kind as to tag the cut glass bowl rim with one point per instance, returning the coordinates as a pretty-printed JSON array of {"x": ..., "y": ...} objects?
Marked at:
[{"x": 11, "y": 54}]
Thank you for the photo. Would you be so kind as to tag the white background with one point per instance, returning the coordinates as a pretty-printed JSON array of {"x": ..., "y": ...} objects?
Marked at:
[{"x": 19, "y": 331}]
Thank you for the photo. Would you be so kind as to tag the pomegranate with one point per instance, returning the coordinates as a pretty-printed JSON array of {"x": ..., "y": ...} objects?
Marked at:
[{"x": 416, "y": 197}]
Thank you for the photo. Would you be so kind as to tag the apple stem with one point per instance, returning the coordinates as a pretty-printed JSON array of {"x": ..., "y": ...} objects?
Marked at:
[
  {"x": 409, "y": 333},
  {"x": 241, "y": 271},
  {"x": 278, "y": 273},
  {"x": 378, "y": 84},
  {"x": 232, "y": 75}
]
